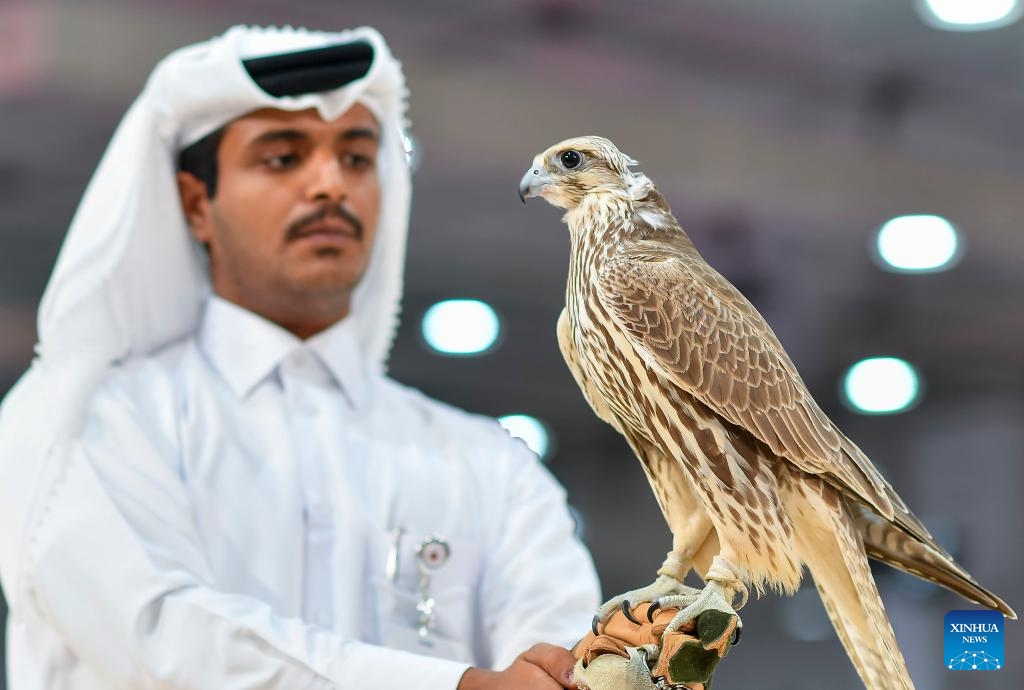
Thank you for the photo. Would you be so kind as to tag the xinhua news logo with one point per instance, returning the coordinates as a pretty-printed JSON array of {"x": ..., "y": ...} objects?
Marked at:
[{"x": 974, "y": 640}]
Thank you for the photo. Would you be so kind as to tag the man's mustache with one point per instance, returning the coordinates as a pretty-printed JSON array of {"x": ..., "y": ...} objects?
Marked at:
[{"x": 298, "y": 228}]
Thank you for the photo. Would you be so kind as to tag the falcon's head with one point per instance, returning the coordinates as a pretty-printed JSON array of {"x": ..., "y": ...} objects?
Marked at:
[{"x": 570, "y": 170}]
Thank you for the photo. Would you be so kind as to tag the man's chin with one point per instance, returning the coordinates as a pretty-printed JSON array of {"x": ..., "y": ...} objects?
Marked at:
[{"x": 319, "y": 282}]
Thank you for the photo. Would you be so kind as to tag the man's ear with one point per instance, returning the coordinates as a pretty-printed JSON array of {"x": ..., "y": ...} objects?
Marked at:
[{"x": 195, "y": 204}]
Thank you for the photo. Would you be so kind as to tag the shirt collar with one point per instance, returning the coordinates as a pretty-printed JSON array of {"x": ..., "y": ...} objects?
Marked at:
[
  {"x": 338, "y": 348},
  {"x": 245, "y": 348}
]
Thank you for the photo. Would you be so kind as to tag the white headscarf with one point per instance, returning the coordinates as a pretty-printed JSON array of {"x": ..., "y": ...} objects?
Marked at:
[{"x": 130, "y": 278}]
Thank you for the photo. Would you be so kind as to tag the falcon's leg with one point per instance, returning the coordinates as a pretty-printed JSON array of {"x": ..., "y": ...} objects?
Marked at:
[
  {"x": 720, "y": 592},
  {"x": 687, "y": 519},
  {"x": 668, "y": 585}
]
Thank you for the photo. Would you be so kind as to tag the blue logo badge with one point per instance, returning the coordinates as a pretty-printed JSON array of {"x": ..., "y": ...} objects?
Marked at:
[{"x": 974, "y": 640}]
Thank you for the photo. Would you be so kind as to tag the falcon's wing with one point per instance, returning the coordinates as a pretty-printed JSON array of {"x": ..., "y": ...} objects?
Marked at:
[{"x": 691, "y": 324}]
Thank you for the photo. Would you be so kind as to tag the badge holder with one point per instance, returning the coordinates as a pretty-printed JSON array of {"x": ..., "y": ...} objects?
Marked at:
[{"x": 431, "y": 555}]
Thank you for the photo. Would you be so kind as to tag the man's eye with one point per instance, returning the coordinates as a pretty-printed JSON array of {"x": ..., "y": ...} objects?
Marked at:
[
  {"x": 358, "y": 161},
  {"x": 281, "y": 162}
]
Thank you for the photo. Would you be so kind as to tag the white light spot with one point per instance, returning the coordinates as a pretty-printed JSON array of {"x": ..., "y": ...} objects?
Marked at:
[
  {"x": 530, "y": 429},
  {"x": 581, "y": 528},
  {"x": 918, "y": 244},
  {"x": 881, "y": 385},
  {"x": 461, "y": 327},
  {"x": 969, "y": 15}
]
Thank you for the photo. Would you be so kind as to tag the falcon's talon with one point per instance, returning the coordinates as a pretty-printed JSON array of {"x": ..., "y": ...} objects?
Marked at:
[
  {"x": 736, "y": 635},
  {"x": 651, "y": 610},
  {"x": 713, "y": 596},
  {"x": 665, "y": 585},
  {"x": 593, "y": 625},
  {"x": 627, "y": 613}
]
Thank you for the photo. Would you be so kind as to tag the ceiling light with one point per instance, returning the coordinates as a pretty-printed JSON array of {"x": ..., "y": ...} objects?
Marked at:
[
  {"x": 461, "y": 327},
  {"x": 530, "y": 429},
  {"x": 969, "y": 15},
  {"x": 581, "y": 527},
  {"x": 881, "y": 385},
  {"x": 918, "y": 244}
]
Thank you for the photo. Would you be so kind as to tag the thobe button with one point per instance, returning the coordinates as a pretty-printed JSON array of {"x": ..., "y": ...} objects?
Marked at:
[
  {"x": 319, "y": 510},
  {"x": 304, "y": 404}
]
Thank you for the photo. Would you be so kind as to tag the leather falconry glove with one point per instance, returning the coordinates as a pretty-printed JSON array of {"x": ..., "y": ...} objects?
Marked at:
[{"x": 627, "y": 655}]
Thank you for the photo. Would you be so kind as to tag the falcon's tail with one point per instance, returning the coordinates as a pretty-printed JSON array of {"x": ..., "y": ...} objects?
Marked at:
[
  {"x": 827, "y": 540},
  {"x": 888, "y": 543}
]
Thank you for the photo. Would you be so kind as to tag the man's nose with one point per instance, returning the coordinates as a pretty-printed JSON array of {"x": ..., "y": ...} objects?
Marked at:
[{"x": 327, "y": 179}]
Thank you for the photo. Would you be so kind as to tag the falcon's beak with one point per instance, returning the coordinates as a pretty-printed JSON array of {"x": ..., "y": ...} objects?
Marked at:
[{"x": 532, "y": 183}]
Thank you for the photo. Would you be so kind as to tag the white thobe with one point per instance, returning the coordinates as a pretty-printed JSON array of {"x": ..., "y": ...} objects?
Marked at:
[{"x": 243, "y": 509}]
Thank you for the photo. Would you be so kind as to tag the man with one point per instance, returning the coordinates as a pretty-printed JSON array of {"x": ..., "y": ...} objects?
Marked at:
[{"x": 224, "y": 490}]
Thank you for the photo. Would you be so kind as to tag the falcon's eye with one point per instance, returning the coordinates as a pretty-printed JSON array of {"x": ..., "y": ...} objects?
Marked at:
[{"x": 570, "y": 159}]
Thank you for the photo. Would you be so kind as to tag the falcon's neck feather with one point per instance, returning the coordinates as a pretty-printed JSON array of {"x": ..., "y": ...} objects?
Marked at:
[
  {"x": 634, "y": 211},
  {"x": 609, "y": 206},
  {"x": 599, "y": 216}
]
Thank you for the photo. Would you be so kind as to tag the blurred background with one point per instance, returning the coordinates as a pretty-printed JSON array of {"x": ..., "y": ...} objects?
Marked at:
[{"x": 786, "y": 134}]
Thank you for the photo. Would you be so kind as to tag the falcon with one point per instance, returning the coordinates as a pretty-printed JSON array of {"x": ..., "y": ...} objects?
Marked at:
[{"x": 754, "y": 480}]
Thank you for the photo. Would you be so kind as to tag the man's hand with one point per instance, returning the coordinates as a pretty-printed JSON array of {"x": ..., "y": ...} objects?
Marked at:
[{"x": 541, "y": 667}]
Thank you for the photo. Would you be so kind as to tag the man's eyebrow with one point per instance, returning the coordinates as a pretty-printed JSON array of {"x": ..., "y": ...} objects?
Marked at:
[
  {"x": 291, "y": 135},
  {"x": 295, "y": 135},
  {"x": 359, "y": 133}
]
